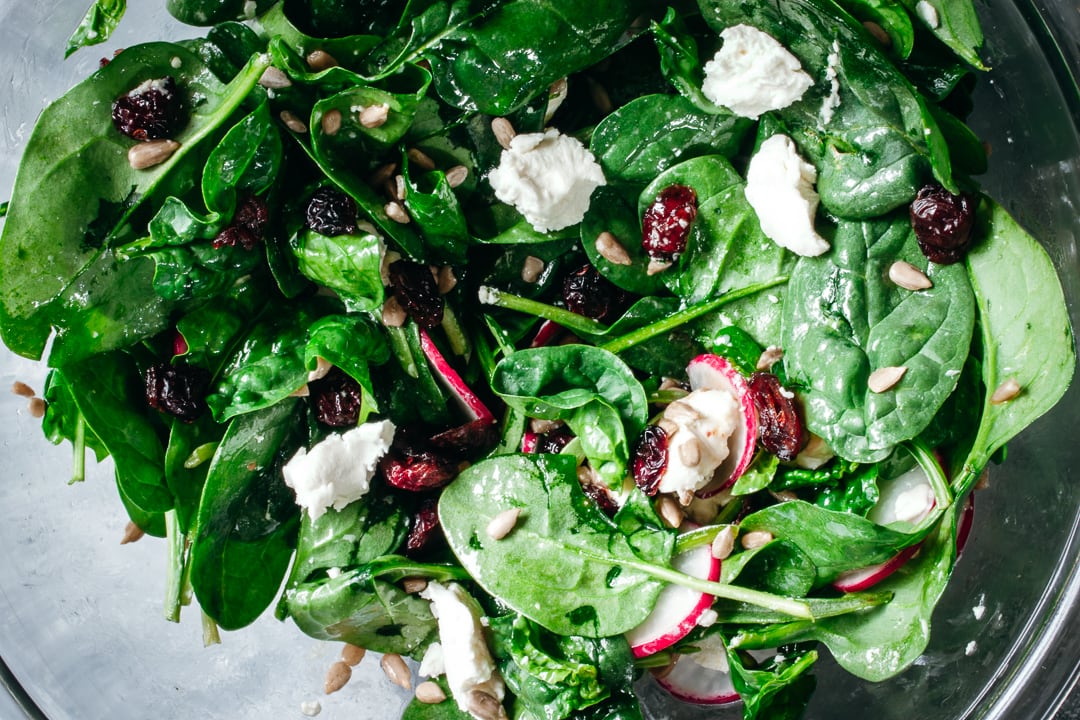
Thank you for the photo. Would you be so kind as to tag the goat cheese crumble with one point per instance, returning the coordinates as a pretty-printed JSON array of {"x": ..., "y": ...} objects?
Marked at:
[
  {"x": 780, "y": 188},
  {"x": 752, "y": 73},
  {"x": 465, "y": 656},
  {"x": 548, "y": 177},
  {"x": 338, "y": 470},
  {"x": 704, "y": 420}
]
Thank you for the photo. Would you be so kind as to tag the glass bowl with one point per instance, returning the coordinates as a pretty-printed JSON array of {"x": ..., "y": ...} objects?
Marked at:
[{"x": 81, "y": 627}]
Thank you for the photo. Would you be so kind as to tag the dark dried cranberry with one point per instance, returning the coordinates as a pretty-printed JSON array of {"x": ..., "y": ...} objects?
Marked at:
[
  {"x": 465, "y": 439},
  {"x": 337, "y": 399},
  {"x": 179, "y": 390},
  {"x": 151, "y": 111},
  {"x": 554, "y": 441},
  {"x": 587, "y": 292},
  {"x": 331, "y": 212},
  {"x": 601, "y": 496},
  {"x": 943, "y": 223},
  {"x": 410, "y": 468},
  {"x": 650, "y": 459},
  {"x": 424, "y": 530},
  {"x": 415, "y": 289},
  {"x": 780, "y": 427},
  {"x": 666, "y": 224},
  {"x": 247, "y": 226}
]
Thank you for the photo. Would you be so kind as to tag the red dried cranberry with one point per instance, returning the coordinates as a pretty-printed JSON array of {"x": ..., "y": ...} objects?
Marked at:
[
  {"x": 416, "y": 292},
  {"x": 650, "y": 458},
  {"x": 464, "y": 439},
  {"x": 780, "y": 427},
  {"x": 587, "y": 292},
  {"x": 415, "y": 469},
  {"x": 424, "y": 530},
  {"x": 151, "y": 111},
  {"x": 331, "y": 212},
  {"x": 247, "y": 226},
  {"x": 601, "y": 496},
  {"x": 666, "y": 224},
  {"x": 179, "y": 390},
  {"x": 943, "y": 223},
  {"x": 337, "y": 399}
]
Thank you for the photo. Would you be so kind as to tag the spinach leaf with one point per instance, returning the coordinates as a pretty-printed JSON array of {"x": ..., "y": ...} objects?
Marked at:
[
  {"x": 212, "y": 12},
  {"x": 891, "y": 16},
  {"x": 779, "y": 566},
  {"x": 76, "y": 188},
  {"x": 610, "y": 211},
  {"x": 63, "y": 421},
  {"x": 564, "y": 565},
  {"x": 480, "y": 66},
  {"x": 881, "y": 141},
  {"x": 435, "y": 209},
  {"x": 247, "y": 519},
  {"x": 347, "y": 264},
  {"x": 590, "y": 389},
  {"x": 408, "y": 391},
  {"x": 1025, "y": 331},
  {"x": 184, "y": 477},
  {"x": 446, "y": 710},
  {"x": 954, "y": 23},
  {"x": 97, "y": 25},
  {"x": 108, "y": 392},
  {"x": 650, "y": 134},
  {"x": 352, "y": 343},
  {"x": 778, "y": 690},
  {"x": 839, "y": 309},
  {"x": 210, "y": 330},
  {"x": 665, "y": 355}
]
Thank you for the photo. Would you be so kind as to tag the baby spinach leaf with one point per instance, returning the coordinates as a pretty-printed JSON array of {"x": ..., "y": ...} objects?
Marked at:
[
  {"x": 76, "y": 188},
  {"x": 210, "y": 330},
  {"x": 590, "y": 389},
  {"x": 97, "y": 25},
  {"x": 247, "y": 519},
  {"x": 211, "y": 12},
  {"x": 352, "y": 343},
  {"x": 63, "y": 421},
  {"x": 435, "y": 209},
  {"x": 348, "y": 264},
  {"x": 246, "y": 161},
  {"x": 480, "y": 66},
  {"x": 778, "y": 690},
  {"x": 108, "y": 392},
  {"x": 610, "y": 211},
  {"x": 954, "y": 23},
  {"x": 653, "y": 132},
  {"x": 891, "y": 16},
  {"x": 413, "y": 394},
  {"x": 186, "y": 481},
  {"x": 1025, "y": 331},
  {"x": 881, "y": 141},
  {"x": 839, "y": 309},
  {"x": 778, "y": 566},
  {"x": 564, "y": 565}
]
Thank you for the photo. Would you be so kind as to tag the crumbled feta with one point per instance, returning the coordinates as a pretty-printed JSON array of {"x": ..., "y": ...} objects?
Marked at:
[
  {"x": 829, "y": 105},
  {"x": 752, "y": 73},
  {"x": 432, "y": 664},
  {"x": 705, "y": 420},
  {"x": 711, "y": 653},
  {"x": 928, "y": 13},
  {"x": 338, "y": 470},
  {"x": 466, "y": 657},
  {"x": 780, "y": 188},
  {"x": 311, "y": 708},
  {"x": 970, "y": 649},
  {"x": 549, "y": 177}
]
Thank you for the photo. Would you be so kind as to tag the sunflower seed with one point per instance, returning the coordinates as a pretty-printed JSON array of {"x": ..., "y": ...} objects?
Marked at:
[
  {"x": 374, "y": 116},
  {"x": 723, "y": 543},
  {"x": 690, "y": 452},
  {"x": 331, "y": 122},
  {"x": 755, "y": 539},
  {"x": 879, "y": 33},
  {"x": 611, "y": 249},
  {"x": 769, "y": 357},
  {"x": 504, "y": 132},
  {"x": 36, "y": 407},
  {"x": 274, "y": 79},
  {"x": 150, "y": 153},
  {"x": 393, "y": 315},
  {"x": 319, "y": 60},
  {"x": 446, "y": 279},
  {"x": 485, "y": 706},
  {"x": 657, "y": 266},
  {"x": 22, "y": 389},
  {"x": 501, "y": 525},
  {"x": 429, "y": 693},
  {"x": 531, "y": 269},
  {"x": 395, "y": 669},
  {"x": 669, "y": 511},
  {"x": 885, "y": 378},
  {"x": 909, "y": 277},
  {"x": 336, "y": 677},
  {"x": 351, "y": 654},
  {"x": 396, "y": 212},
  {"x": 293, "y": 123},
  {"x": 457, "y": 175},
  {"x": 414, "y": 585},
  {"x": 420, "y": 159},
  {"x": 132, "y": 533},
  {"x": 1005, "y": 392}
]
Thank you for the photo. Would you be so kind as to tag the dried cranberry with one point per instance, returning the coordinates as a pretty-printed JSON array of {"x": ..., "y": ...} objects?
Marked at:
[
  {"x": 151, "y": 111},
  {"x": 464, "y": 439},
  {"x": 337, "y": 399},
  {"x": 424, "y": 529},
  {"x": 943, "y": 223},
  {"x": 601, "y": 496},
  {"x": 780, "y": 427},
  {"x": 666, "y": 224},
  {"x": 411, "y": 468},
  {"x": 553, "y": 441},
  {"x": 587, "y": 292},
  {"x": 247, "y": 226},
  {"x": 179, "y": 390},
  {"x": 650, "y": 459},
  {"x": 331, "y": 212},
  {"x": 415, "y": 289}
]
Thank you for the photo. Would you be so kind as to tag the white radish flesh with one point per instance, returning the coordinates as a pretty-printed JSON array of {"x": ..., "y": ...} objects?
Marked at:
[{"x": 714, "y": 372}]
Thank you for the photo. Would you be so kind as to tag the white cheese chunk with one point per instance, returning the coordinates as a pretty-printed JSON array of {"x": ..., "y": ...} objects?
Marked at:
[
  {"x": 465, "y": 654},
  {"x": 548, "y": 177},
  {"x": 752, "y": 73},
  {"x": 338, "y": 470},
  {"x": 705, "y": 419},
  {"x": 780, "y": 188}
]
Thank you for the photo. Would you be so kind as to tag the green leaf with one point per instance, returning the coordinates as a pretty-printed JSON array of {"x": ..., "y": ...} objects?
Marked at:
[
  {"x": 97, "y": 25},
  {"x": 348, "y": 264},
  {"x": 955, "y": 23},
  {"x": 247, "y": 519},
  {"x": 839, "y": 308}
]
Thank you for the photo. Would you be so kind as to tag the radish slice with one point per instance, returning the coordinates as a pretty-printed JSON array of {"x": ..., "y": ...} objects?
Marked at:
[
  {"x": 678, "y": 608},
  {"x": 470, "y": 404},
  {"x": 529, "y": 441},
  {"x": 546, "y": 335},
  {"x": 963, "y": 525},
  {"x": 713, "y": 372},
  {"x": 906, "y": 498},
  {"x": 692, "y": 682}
]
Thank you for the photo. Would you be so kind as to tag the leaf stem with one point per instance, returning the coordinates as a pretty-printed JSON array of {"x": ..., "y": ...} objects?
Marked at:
[
  {"x": 174, "y": 572},
  {"x": 210, "y": 633},
  {"x": 778, "y": 603},
  {"x": 682, "y": 317},
  {"x": 78, "y": 471},
  {"x": 569, "y": 320}
]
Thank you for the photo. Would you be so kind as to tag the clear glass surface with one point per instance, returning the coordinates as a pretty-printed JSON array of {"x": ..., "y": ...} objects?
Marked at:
[{"x": 81, "y": 630}]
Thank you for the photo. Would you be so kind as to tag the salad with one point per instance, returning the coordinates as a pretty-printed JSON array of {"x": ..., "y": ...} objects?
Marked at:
[{"x": 545, "y": 344}]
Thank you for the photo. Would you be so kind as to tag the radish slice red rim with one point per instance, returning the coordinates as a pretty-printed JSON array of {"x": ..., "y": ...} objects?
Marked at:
[
  {"x": 678, "y": 609},
  {"x": 452, "y": 382},
  {"x": 693, "y": 682},
  {"x": 714, "y": 372},
  {"x": 547, "y": 334}
]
